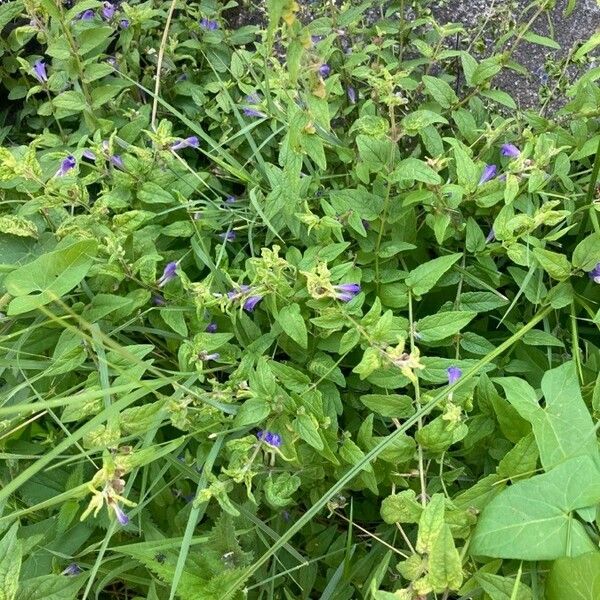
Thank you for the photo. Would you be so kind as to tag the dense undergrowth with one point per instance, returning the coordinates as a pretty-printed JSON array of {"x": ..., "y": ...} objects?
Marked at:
[{"x": 312, "y": 314}]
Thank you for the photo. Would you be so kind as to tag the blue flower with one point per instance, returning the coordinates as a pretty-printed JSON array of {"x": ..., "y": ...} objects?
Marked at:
[
  {"x": 120, "y": 514},
  {"x": 454, "y": 374},
  {"x": 273, "y": 439},
  {"x": 39, "y": 71},
  {"x": 228, "y": 236},
  {"x": 253, "y": 98},
  {"x": 252, "y": 112},
  {"x": 158, "y": 300},
  {"x": 251, "y": 303},
  {"x": 72, "y": 570},
  {"x": 234, "y": 294},
  {"x": 491, "y": 236},
  {"x": 87, "y": 15},
  {"x": 231, "y": 199},
  {"x": 117, "y": 161},
  {"x": 488, "y": 173},
  {"x": 509, "y": 150},
  {"x": 209, "y": 25},
  {"x": 169, "y": 273},
  {"x": 211, "y": 328},
  {"x": 124, "y": 23},
  {"x": 188, "y": 142},
  {"x": 594, "y": 274},
  {"x": 351, "y": 92},
  {"x": 108, "y": 10},
  {"x": 346, "y": 291},
  {"x": 66, "y": 165},
  {"x": 204, "y": 356},
  {"x": 89, "y": 154},
  {"x": 324, "y": 70}
]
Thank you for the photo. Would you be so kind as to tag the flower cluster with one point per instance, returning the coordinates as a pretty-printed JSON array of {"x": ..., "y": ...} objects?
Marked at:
[{"x": 106, "y": 12}]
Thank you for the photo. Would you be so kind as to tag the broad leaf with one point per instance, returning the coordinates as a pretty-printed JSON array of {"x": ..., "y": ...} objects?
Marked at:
[{"x": 533, "y": 520}]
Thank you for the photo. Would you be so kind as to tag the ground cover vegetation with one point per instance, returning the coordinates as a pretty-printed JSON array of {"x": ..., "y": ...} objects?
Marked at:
[{"x": 304, "y": 307}]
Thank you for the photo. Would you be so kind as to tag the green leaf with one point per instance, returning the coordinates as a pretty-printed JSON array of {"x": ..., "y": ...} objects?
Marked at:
[
  {"x": 540, "y": 40},
  {"x": 305, "y": 426},
  {"x": 293, "y": 324},
  {"x": 425, "y": 276},
  {"x": 500, "y": 97},
  {"x": 49, "y": 277},
  {"x": 70, "y": 101},
  {"x": 401, "y": 508},
  {"x": 556, "y": 265},
  {"x": 251, "y": 412},
  {"x": 575, "y": 578},
  {"x": 442, "y": 325},
  {"x": 50, "y": 587},
  {"x": 10, "y": 563},
  {"x": 417, "y": 170},
  {"x": 485, "y": 70},
  {"x": 418, "y": 119},
  {"x": 444, "y": 563},
  {"x": 501, "y": 588},
  {"x": 587, "y": 253},
  {"x": 564, "y": 428},
  {"x": 93, "y": 37},
  {"x": 440, "y": 91},
  {"x": 279, "y": 489},
  {"x": 533, "y": 520},
  {"x": 152, "y": 193},
  {"x": 392, "y": 405},
  {"x": 467, "y": 172}
]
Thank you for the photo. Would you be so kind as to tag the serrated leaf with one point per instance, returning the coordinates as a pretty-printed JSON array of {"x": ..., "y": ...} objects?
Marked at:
[
  {"x": 293, "y": 324},
  {"x": 10, "y": 563},
  {"x": 425, "y": 276},
  {"x": 442, "y": 325}
]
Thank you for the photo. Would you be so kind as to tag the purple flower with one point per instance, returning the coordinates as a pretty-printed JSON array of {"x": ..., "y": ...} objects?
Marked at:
[
  {"x": 209, "y": 25},
  {"x": 316, "y": 38},
  {"x": 211, "y": 328},
  {"x": 204, "y": 356},
  {"x": 252, "y": 112},
  {"x": 71, "y": 570},
  {"x": 117, "y": 161},
  {"x": 346, "y": 291},
  {"x": 509, "y": 150},
  {"x": 365, "y": 224},
  {"x": 233, "y": 294},
  {"x": 39, "y": 71},
  {"x": 250, "y": 303},
  {"x": 228, "y": 236},
  {"x": 253, "y": 98},
  {"x": 273, "y": 439},
  {"x": 66, "y": 165},
  {"x": 158, "y": 300},
  {"x": 351, "y": 92},
  {"x": 189, "y": 142},
  {"x": 112, "y": 61},
  {"x": 488, "y": 173},
  {"x": 124, "y": 23},
  {"x": 169, "y": 273},
  {"x": 324, "y": 70},
  {"x": 454, "y": 374},
  {"x": 108, "y": 11},
  {"x": 120, "y": 514},
  {"x": 491, "y": 236},
  {"x": 87, "y": 15},
  {"x": 89, "y": 154},
  {"x": 594, "y": 274},
  {"x": 231, "y": 199}
]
